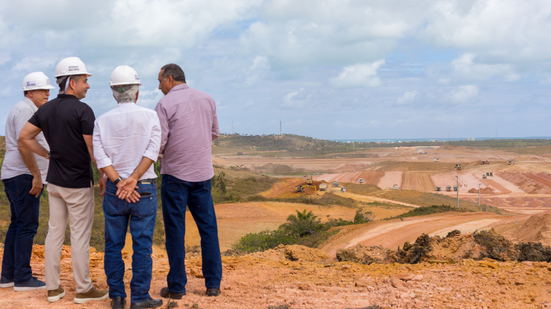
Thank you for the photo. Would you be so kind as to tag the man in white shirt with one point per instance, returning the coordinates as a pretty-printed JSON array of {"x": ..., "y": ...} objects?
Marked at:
[
  {"x": 23, "y": 175},
  {"x": 126, "y": 143}
]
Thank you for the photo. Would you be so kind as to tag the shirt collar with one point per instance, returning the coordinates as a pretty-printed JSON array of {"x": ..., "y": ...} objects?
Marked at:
[
  {"x": 179, "y": 87},
  {"x": 31, "y": 104}
]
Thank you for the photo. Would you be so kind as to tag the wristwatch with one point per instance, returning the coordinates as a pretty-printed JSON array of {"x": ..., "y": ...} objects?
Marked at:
[{"x": 117, "y": 180}]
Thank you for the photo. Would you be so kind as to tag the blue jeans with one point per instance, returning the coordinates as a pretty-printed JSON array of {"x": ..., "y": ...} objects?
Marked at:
[
  {"x": 175, "y": 195},
  {"x": 142, "y": 216},
  {"x": 18, "y": 246}
]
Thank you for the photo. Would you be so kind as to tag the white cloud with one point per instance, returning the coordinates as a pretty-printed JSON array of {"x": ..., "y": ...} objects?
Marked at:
[
  {"x": 463, "y": 94},
  {"x": 406, "y": 98},
  {"x": 296, "y": 99},
  {"x": 358, "y": 75},
  {"x": 465, "y": 67}
]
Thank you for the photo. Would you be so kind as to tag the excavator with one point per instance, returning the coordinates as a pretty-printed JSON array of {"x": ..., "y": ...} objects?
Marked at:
[{"x": 309, "y": 184}]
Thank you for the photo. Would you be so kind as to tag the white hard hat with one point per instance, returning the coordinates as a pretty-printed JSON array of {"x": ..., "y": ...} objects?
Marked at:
[
  {"x": 71, "y": 66},
  {"x": 124, "y": 75},
  {"x": 35, "y": 81}
]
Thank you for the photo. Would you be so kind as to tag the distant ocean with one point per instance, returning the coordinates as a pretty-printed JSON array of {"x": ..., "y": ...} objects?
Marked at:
[{"x": 405, "y": 140}]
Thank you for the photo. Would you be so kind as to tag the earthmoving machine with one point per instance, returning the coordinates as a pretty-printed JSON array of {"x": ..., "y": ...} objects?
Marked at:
[
  {"x": 492, "y": 174},
  {"x": 448, "y": 188},
  {"x": 487, "y": 173},
  {"x": 510, "y": 162},
  {"x": 396, "y": 187},
  {"x": 323, "y": 186},
  {"x": 484, "y": 162},
  {"x": 454, "y": 188},
  {"x": 484, "y": 176},
  {"x": 343, "y": 189},
  {"x": 360, "y": 180},
  {"x": 310, "y": 181},
  {"x": 299, "y": 189},
  {"x": 436, "y": 160},
  {"x": 458, "y": 166},
  {"x": 335, "y": 184},
  {"x": 438, "y": 189}
]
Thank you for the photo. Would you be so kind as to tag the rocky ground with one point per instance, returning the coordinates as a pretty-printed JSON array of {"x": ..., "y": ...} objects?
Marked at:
[{"x": 299, "y": 277}]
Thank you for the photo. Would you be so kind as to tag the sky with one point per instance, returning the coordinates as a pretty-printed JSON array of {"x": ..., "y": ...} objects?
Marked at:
[{"x": 329, "y": 69}]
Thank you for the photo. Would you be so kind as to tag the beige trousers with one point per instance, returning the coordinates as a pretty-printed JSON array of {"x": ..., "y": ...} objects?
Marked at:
[{"x": 77, "y": 205}]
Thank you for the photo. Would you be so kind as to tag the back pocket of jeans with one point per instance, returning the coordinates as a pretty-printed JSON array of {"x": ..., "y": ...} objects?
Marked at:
[
  {"x": 146, "y": 206},
  {"x": 110, "y": 203}
]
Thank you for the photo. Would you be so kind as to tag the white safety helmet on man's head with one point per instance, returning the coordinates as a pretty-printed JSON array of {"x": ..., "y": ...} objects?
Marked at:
[
  {"x": 124, "y": 75},
  {"x": 71, "y": 66},
  {"x": 36, "y": 81}
]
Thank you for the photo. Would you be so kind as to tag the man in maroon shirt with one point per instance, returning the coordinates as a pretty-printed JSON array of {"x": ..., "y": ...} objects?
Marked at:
[{"x": 189, "y": 125}]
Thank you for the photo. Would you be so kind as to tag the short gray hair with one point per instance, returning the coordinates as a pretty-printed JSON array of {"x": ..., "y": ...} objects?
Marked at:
[
  {"x": 125, "y": 93},
  {"x": 175, "y": 71}
]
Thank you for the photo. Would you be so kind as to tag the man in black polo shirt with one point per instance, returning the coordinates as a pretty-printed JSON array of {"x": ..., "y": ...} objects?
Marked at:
[{"x": 68, "y": 125}]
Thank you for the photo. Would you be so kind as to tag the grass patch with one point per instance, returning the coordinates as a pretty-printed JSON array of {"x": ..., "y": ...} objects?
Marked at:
[
  {"x": 429, "y": 199},
  {"x": 363, "y": 189},
  {"x": 429, "y": 210},
  {"x": 327, "y": 199}
]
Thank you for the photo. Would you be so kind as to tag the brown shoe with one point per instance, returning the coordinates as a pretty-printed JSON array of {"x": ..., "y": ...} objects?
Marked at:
[
  {"x": 93, "y": 294},
  {"x": 55, "y": 295}
]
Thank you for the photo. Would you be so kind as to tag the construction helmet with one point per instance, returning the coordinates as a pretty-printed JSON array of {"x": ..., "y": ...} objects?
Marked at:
[
  {"x": 124, "y": 75},
  {"x": 35, "y": 81},
  {"x": 71, "y": 66}
]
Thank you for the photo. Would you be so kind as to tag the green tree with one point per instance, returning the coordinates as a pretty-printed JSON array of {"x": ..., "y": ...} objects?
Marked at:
[{"x": 303, "y": 224}]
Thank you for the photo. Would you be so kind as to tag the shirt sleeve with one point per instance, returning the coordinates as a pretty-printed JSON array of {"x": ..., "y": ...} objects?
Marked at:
[
  {"x": 22, "y": 118},
  {"x": 102, "y": 159},
  {"x": 163, "y": 120},
  {"x": 215, "y": 128},
  {"x": 87, "y": 119},
  {"x": 34, "y": 121},
  {"x": 152, "y": 150}
]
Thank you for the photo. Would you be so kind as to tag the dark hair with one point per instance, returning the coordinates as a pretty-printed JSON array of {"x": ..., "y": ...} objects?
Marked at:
[
  {"x": 25, "y": 92},
  {"x": 175, "y": 71},
  {"x": 62, "y": 80}
]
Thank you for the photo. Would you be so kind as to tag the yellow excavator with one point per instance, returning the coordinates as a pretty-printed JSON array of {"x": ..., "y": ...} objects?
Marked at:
[{"x": 309, "y": 184}]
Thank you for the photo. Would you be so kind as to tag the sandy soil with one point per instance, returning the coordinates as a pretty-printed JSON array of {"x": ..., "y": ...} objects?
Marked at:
[
  {"x": 368, "y": 177},
  {"x": 390, "y": 179},
  {"x": 419, "y": 181}
]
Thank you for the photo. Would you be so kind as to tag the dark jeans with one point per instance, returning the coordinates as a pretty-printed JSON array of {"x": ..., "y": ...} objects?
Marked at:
[
  {"x": 175, "y": 195},
  {"x": 18, "y": 246},
  {"x": 142, "y": 216}
]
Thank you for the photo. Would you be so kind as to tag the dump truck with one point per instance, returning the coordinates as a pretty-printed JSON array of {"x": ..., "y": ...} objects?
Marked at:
[
  {"x": 484, "y": 162},
  {"x": 510, "y": 162},
  {"x": 323, "y": 186},
  {"x": 458, "y": 167},
  {"x": 395, "y": 187},
  {"x": 448, "y": 188},
  {"x": 436, "y": 160},
  {"x": 335, "y": 184},
  {"x": 484, "y": 176},
  {"x": 438, "y": 189},
  {"x": 454, "y": 188},
  {"x": 360, "y": 180},
  {"x": 343, "y": 189}
]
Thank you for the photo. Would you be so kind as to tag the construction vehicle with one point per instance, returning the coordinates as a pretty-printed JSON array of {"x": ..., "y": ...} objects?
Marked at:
[
  {"x": 395, "y": 187},
  {"x": 510, "y": 162},
  {"x": 448, "y": 188},
  {"x": 343, "y": 189},
  {"x": 492, "y": 174},
  {"x": 487, "y": 173},
  {"x": 458, "y": 167},
  {"x": 299, "y": 189},
  {"x": 335, "y": 184},
  {"x": 438, "y": 189},
  {"x": 454, "y": 188},
  {"x": 484, "y": 162},
  {"x": 310, "y": 181},
  {"x": 436, "y": 160},
  {"x": 360, "y": 180},
  {"x": 323, "y": 186},
  {"x": 484, "y": 176}
]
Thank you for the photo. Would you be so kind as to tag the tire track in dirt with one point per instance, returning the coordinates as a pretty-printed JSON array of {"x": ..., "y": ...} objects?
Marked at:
[
  {"x": 419, "y": 181},
  {"x": 539, "y": 178},
  {"x": 390, "y": 179}
]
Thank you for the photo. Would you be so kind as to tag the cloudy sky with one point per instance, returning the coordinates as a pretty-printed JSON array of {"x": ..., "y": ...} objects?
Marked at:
[{"x": 331, "y": 69}]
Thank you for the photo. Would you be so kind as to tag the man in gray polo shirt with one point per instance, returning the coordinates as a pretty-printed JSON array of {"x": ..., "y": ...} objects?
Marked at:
[{"x": 23, "y": 175}]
